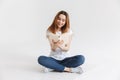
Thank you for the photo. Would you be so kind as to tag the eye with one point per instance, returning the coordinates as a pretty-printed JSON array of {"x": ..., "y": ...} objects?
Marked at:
[{"x": 58, "y": 18}]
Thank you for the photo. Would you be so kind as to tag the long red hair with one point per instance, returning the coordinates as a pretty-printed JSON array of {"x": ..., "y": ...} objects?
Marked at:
[{"x": 53, "y": 27}]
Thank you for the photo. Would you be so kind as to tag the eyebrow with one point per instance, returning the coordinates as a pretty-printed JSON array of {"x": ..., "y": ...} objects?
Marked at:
[{"x": 60, "y": 18}]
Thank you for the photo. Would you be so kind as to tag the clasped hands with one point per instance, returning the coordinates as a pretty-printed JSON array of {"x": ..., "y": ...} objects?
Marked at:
[{"x": 58, "y": 43}]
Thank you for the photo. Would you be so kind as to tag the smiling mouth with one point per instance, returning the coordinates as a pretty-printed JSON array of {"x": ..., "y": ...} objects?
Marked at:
[{"x": 59, "y": 24}]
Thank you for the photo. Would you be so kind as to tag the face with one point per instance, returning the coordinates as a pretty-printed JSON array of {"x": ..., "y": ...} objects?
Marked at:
[{"x": 61, "y": 20}]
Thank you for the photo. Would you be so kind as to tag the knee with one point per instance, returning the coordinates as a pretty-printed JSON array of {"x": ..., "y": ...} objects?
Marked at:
[
  {"x": 81, "y": 59},
  {"x": 41, "y": 59}
]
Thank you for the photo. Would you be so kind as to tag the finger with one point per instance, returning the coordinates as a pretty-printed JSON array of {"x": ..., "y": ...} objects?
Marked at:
[
  {"x": 52, "y": 40},
  {"x": 58, "y": 41},
  {"x": 62, "y": 41}
]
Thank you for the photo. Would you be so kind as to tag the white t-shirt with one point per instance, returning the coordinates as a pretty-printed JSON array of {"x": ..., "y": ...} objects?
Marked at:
[{"x": 58, "y": 54}]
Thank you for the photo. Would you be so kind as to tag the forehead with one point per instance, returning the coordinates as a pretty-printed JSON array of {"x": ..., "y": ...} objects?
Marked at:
[{"x": 62, "y": 16}]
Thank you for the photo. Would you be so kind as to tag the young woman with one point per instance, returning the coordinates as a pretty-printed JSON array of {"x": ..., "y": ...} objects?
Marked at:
[{"x": 58, "y": 59}]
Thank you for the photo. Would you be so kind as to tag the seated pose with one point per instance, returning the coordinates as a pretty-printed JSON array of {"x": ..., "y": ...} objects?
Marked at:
[{"x": 58, "y": 59}]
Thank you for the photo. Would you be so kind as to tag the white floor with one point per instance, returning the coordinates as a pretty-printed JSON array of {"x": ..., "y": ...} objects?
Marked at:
[{"x": 24, "y": 67}]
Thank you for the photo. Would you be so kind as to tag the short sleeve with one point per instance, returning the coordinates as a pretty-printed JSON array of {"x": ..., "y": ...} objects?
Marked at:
[
  {"x": 47, "y": 33},
  {"x": 70, "y": 32}
]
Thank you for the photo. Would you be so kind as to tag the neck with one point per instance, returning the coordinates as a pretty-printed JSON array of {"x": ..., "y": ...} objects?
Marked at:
[{"x": 59, "y": 29}]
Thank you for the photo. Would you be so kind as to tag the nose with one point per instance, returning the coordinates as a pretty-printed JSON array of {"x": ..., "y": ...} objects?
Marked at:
[{"x": 60, "y": 21}]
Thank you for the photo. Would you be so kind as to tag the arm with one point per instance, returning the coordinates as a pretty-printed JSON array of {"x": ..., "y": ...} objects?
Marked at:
[
  {"x": 65, "y": 47},
  {"x": 60, "y": 43},
  {"x": 52, "y": 44}
]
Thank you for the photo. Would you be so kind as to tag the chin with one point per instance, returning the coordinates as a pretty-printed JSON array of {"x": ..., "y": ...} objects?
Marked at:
[{"x": 60, "y": 26}]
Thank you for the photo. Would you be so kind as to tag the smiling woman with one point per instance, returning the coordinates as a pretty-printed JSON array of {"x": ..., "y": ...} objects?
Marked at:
[
  {"x": 58, "y": 59},
  {"x": 61, "y": 20}
]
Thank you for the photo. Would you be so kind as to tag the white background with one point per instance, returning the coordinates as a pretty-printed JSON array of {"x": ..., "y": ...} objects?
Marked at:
[{"x": 23, "y": 23}]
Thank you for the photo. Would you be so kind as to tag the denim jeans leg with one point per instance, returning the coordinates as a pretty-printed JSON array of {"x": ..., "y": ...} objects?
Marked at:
[
  {"x": 50, "y": 63},
  {"x": 73, "y": 61}
]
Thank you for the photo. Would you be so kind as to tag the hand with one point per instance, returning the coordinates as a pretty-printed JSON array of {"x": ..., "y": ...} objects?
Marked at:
[{"x": 58, "y": 43}]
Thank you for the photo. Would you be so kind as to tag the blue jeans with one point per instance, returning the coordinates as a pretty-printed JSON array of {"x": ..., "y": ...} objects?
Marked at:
[{"x": 59, "y": 65}]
